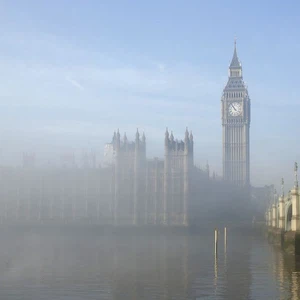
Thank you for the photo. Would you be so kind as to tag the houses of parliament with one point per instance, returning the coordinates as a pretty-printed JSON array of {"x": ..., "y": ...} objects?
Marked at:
[{"x": 131, "y": 189}]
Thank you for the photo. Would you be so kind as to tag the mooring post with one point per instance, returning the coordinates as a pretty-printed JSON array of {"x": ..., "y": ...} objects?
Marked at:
[
  {"x": 216, "y": 241},
  {"x": 225, "y": 238}
]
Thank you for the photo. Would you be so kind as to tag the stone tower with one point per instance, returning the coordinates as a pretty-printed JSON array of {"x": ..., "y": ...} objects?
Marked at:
[
  {"x": 129, "y": 180},
  {"x": 236, "y": 123},
  {"x": 178, "y": 166},
  {"x": 151, "y": 191},
  {"x": 139, "y": 180}
]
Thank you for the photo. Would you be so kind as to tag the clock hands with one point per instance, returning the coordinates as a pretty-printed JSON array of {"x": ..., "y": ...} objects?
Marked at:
[
  {"x": 235, "y": 109},
  {"x": 233, "y": 106}
]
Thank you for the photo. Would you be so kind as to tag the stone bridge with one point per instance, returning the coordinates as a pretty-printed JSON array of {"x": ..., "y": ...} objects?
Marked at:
[
  {"x": 284, "y": 212},
  {"x": 283, "y": 218}
]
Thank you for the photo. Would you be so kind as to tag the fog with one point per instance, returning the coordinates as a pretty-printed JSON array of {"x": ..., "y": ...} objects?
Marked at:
[
  {"x": 140, "y": 146},
  {"x": 123, "y": 183}
]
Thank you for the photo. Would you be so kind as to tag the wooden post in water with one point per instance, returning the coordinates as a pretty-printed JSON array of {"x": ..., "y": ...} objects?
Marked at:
[
  {"x": 216, "y": 241},
  {"x": 216, "y": 259},
  {"x": 225, "y": 239}
]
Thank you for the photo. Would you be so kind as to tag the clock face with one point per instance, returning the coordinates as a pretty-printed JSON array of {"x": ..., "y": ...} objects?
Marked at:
[{"x": 235, "y": 109}]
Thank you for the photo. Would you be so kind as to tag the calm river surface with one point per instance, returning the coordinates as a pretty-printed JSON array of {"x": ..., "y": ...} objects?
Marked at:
[{"x": 69, "y": 264}]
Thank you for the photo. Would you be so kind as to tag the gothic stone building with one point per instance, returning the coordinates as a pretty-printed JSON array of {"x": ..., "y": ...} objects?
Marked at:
[
  {"x": 131, "y": 190},
  {"x": 151, "y": 191}
]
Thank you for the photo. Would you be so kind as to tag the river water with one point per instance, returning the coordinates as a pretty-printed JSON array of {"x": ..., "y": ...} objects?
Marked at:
[{"x": 65, "y": 264}]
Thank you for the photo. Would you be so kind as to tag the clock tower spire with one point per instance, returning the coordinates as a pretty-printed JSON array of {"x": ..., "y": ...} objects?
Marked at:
[
  {"x": 235, "y": 68},
  {"x": 235, "y": 104}
]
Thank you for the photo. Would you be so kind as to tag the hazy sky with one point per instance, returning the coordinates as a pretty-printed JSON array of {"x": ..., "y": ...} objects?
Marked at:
[{"x": 73, "y": 71}]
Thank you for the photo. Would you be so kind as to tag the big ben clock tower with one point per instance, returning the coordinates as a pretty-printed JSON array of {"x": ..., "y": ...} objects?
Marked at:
[{"x": 236, "y": 123}]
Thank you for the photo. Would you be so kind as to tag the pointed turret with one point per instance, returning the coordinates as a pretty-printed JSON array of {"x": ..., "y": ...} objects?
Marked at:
[
  {"x": 137, "y": 135},
  {"x": 118, "y": 140},
  {"x": 191, "y": 141},
  {"x": 235, "y": 63},
  {"x": 172, "y": 137},
  {"x": 186, "y": 138},
  {"x": 167, "y": 132},
  {"x": 144, "y": 144},
  {"x": 167, "y": 137},
  {"x": 191, "y": 137},
  {"x": 137, "y": 141},
  {"x": 114, "y": 138},
  {"x": 235, "y": 68}
]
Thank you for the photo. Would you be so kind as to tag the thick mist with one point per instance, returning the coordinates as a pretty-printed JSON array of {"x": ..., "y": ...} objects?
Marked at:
[{"x": 92, "y": 189}]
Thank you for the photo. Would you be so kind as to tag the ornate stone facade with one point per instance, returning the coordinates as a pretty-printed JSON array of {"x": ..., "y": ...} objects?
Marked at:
[
  {"x": 131, "y": 190},
  {"x": 152, "y": 191},
  {"x": 236, "y": 124}
]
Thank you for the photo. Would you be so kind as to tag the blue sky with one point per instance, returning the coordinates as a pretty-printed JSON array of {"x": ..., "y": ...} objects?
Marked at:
[{"x": 73, "y": 71}]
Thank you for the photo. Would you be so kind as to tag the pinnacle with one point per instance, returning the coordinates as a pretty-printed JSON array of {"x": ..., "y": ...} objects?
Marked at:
[{"x": 235, "y": 63}]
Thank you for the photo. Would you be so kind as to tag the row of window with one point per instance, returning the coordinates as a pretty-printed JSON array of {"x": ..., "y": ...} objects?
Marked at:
[
  {"x": 234, "y": 94},
  {"x": 235, "y": 73},
  {"x": 235, "y": 121}
]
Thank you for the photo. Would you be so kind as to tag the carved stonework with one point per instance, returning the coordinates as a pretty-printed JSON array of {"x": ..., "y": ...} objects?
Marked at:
[
  {"x": 236, "y": 123},
  {"x": 152, "y": 191}
]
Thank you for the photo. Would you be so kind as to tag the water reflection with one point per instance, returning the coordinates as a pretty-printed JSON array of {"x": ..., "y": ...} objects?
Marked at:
[
  {"x": 237, "y": 273},
  {"x": 288, "y": 275},
  {"x": 216, "y": 274},
  {"x": 72, "y": 265}
]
